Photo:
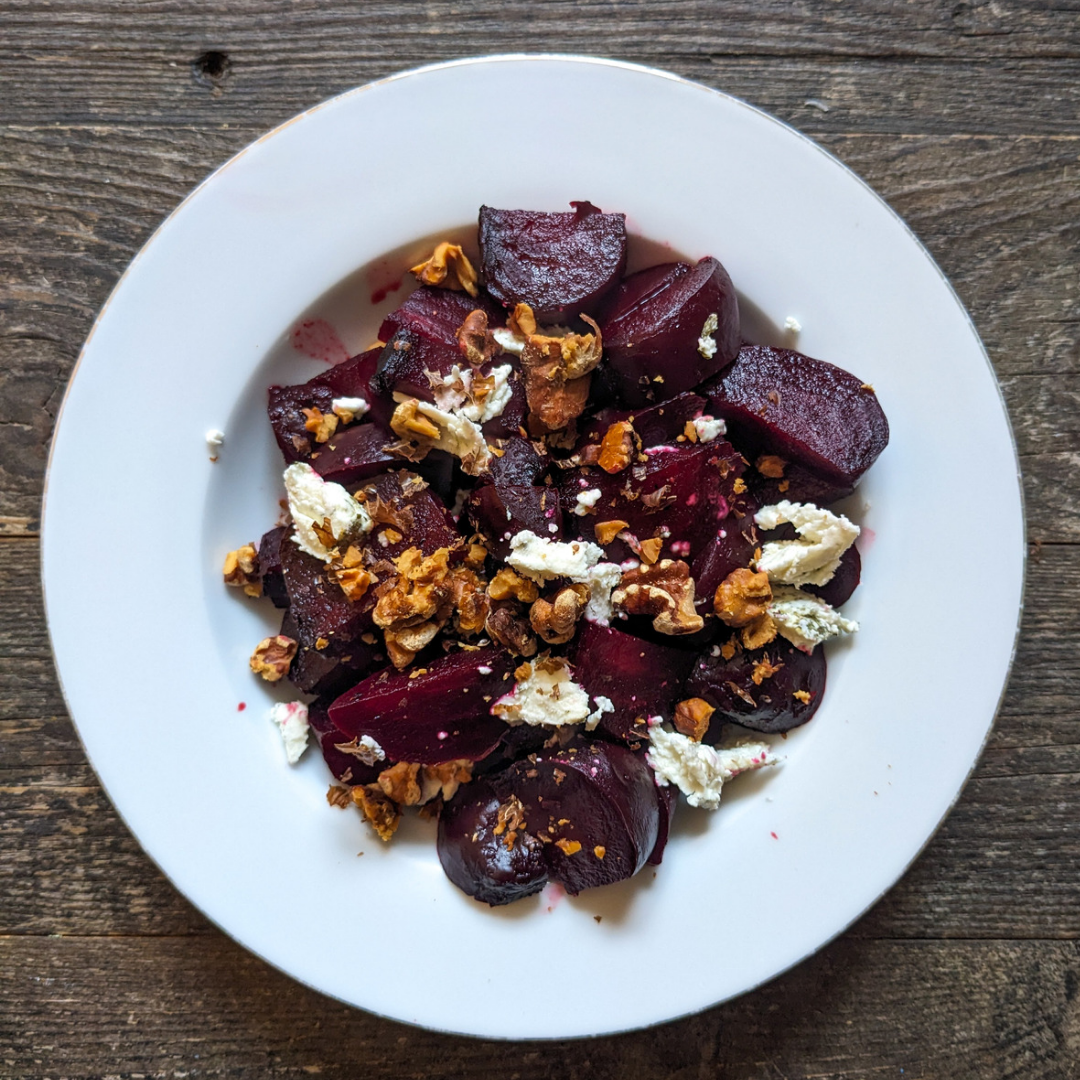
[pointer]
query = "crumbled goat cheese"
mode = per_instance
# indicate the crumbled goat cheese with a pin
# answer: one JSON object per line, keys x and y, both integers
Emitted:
{"x": 349, "y": 408}
{"x": 458, "y": 435}
{"x": 314, "y": 500}
{"x": 214, "y": 441}
{"x": 508, "y": 341}
{"x": 548, "y": 697}
{"x": 814, "y": 557}
{"x": 602, "y": 580}
{"x": 806, "y": 620}
{"x": 586, "y": 500}
{"x": 603, "y": 705}
{"x": 706, "y": 344}
{"x": 371, "y": 751}
{"x": 792, "y": 324}
{"x": 698, "y": 770}
{"x": 709, "y": 428}
{"x": 542, "y": 559}
{"x": 453, "y": 393}
{"x": 292, "y": 720}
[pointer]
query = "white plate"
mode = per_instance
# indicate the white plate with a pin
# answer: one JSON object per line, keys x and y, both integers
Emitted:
{"x": 152, "y": 650}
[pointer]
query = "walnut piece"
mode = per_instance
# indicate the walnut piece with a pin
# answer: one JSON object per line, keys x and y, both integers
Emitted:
{"x": 449, "y": 268}
{"x": 400, "y": 784}
{"x": 771, "y": 466}
{"x": 475, "y": 339}
{"x": 665, "y": 591}
{"x": 383, "y": 814}
{"x": 414, "y": 606}
{"x": 471, "y": 604}
{"x": 764, "y": 669}
{"x": 338, "y": 796}
{"x": 241, "y": 570}
{"x": 321, "y": 425}
{"x": 692, "y": 718}
{"x": 759, "y": 633}
{"x": 442, "y": 781}
{"x": 606, "y": 531}
{"x": 742, "y": 597}
{"x": 508, "y": 585}
{"x": 511, "y": 629}
{"x": 555, "y": 620}
{"x": 272, "y": 657}
{"x": 568, "y": 847}
{"x": 617, "y": 447}
{"x": 412, "y": 426}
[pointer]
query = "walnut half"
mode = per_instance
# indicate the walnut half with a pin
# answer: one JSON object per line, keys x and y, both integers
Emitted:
{"x": 272, "y": 657}
{"x": 555, "y": 620}
{"x": 664, "y": 590}
{"x": 742, "y": 600}
{"x": 241, "y": 570}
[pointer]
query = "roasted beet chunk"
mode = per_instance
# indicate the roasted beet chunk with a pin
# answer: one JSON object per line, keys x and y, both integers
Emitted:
{"x": 407, "y": 514}
{"x": 772, "y": 689}
{"x": 595, "y": 807}
{"x": 482, "y": 853}
{"x": 837, "y": 591}
{"x": 500, "y": 511}
{"x": 640, "y": 678}
{"x": 659, "y": 334}
{"x": 346, "y": 766}
{"x": 433, "y": 714}
{"x": 559, "y": 264}
{"x": 273, "y": 582}
{"x": 658, "y": 425}
{"x": 779, "y": 402}
{"x": 438, "y": 313}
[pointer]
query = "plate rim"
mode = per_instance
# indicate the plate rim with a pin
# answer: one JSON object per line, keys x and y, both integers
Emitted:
{"x": 640, "y": 69}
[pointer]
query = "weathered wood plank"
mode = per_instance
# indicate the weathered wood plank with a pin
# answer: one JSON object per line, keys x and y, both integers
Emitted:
{"x": 859, "y": 1010}
{"x": 1003, "y": 864}
{"x": 1000, "y": 214}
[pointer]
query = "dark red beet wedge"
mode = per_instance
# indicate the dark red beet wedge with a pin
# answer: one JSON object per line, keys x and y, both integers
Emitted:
{"x": 418, "y": 517}
{"x": 520, "y": 462}
{"x": 798, "y": 484}
{"x": 732, "y": 548}
{"x": 492, "y": 867}
{"x": 499, "y": 511}
{"x": 668, "y": 799}
{"x": 441, "y": 714}
{"x": 640, "y": 678}
{"x": 658, "y": 425}
{"x": 273, "y": 582}
{"x": 559, "y": 264}
{"x": 438, "y": 313}
{"x": 347, "y": 768}
{"x": 845, "y": 581}
{"x": 777, "y": 401}
{"x": 655, "y": 322}
{"x": 769, "y": 705}
{"x": 350, "y": 378}
{"x": 594, "y": 806}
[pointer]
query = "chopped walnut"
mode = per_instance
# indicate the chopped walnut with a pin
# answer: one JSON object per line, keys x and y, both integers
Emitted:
{"x": 802, "y": 695}
{"x": 739, "y": 487}
{"x": 383, "y": 814}
{"x": 665, "y": 591}
{"x": 471, "y": 604}
{"x": 507, "y": 585}
{"x": 272, "y": 657}
{"x": 354, "y": 581}
{"x": 447, "y": 267}
{"x": 509, "y": 821}
{"x": 404, "y": 644}
{"x": 606, "y": 531}
{"x": 399, "y": 783}
{"x": 742, "y": 597}
{"x": 338, "y": 796}
{"x": 617, "y": 447}
{"x": 555, "y": 620}
{"x": 442, "y": 781}
{"x": 692, "y": 718}
{"x": 241, "y": 570}
{"x": 728, "y": 649}
{"x": 650, "y": 549}
{"x": 690, "y": 431}
{"x": 568, "y": 847}
{"x": 414, "y": 428}
{"x": 369, "y": 753}
{"x": 476, "y": 554}
{"x": 764, "y": 669}
{"x": 414, "y": 606}
{"x": 771, "y": 466}
{"x": 759, "y": 633}
{"x": 599, "y": 851}
{"x": 321, "y": 425}
{"x": 475, "y": 339}
{"x": 511, "y": 629}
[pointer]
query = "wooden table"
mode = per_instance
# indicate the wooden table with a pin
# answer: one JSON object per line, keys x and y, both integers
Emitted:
{"x": 965, "y": 114}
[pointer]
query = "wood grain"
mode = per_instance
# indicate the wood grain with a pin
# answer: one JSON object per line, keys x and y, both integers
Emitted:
{"x": 965, "y": 115}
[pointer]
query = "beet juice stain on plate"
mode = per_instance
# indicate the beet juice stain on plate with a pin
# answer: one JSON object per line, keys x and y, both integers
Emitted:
{"x": 319, "y": 340}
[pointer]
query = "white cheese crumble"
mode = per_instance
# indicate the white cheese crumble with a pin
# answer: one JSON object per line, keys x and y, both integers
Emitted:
{"x": 508, "y": 341}
{"x": 706, "y": 344}
{"x": 806, "y": 620}
{"x": 292, "y": 720}
{"x": 709, "y": 428}
{"x": 603, "y": 705}
{"x": 215, "y": 439}
{"x": 586, "y": 501}
{"x": 698, "y": 770}
{"x": 458, "y": 435}
{"x": 602, "y": 579}
{"x": 548, "y": 697}
{"x": 314, "y": 500}
{"x": 454, "y": 393}
{"x": 542, "y": 559}
{"x": 792, "y": 324}
{"x": 814, "y": 557}
{"x": 347, "y": 409}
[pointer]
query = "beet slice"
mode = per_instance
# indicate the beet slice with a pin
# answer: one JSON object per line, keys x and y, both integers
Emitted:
{"x": 668, "y": 797}
{"x": 441, "y": 714}
{"x": 595, "y": 807}
{"x": 658, "y": 425}
{"x": 798, "y": 484}
{"x": 561, "y": 265}
{"x": 640, "y": 678}
{"x": 480, "y": 862}
{"x": 273, "y": 582}
{"x": 438, "y": 313}
{"x": 418, "y": 517}
{"x": 347, "y": 768}
{"x": 731, "y": 548}
{"x": 520, "y": 462}
{"x": 770, "y": 706}
{"x": 777, "y": 401}
{"x": 285, "y": 405}
{"x": 654, "y": 324}
{"x": 837, "y": 591}
{"x": 500, "y": 511}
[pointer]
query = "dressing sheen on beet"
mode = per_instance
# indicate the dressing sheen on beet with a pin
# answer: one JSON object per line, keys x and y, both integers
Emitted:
{"x": 528, "y": 637}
